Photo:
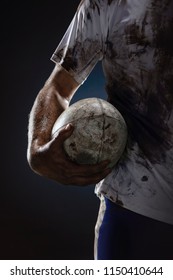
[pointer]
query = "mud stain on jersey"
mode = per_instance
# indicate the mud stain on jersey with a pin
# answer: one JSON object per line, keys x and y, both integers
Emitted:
{"x": 146, "y": 109}
{"x": 110, "y": 2}
{"x": 148, "y": 129}
{"x": 135, "y": 34}
{"x": 80, "y": 55}
{"x": 94, "y": 5}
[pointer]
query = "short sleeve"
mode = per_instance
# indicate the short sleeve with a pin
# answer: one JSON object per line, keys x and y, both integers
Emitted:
{"x": 82, "y": 45}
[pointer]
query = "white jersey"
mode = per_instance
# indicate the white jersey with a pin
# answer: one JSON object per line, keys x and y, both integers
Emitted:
{"x": 133, "y": 39}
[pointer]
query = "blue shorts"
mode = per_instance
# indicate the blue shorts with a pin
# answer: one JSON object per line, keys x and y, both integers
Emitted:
{"x": 123, "y": 234}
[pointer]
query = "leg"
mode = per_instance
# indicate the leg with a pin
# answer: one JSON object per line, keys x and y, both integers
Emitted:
{"x": 111, "y": 237}
{"x": 123, "y": 234}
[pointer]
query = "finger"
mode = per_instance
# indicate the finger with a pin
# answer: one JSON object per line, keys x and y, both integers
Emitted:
{"x": 64, "y": 131}
{"x": 62, "y": 134}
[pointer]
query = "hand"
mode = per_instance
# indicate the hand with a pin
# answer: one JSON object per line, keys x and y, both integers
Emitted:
{"x": 53, "y": 163}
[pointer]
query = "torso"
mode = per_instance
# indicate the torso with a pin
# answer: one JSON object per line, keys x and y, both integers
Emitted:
{"x": 138, "y": 66}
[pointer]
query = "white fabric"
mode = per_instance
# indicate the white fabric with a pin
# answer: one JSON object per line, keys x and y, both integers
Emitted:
{"x": 133, "y": 40}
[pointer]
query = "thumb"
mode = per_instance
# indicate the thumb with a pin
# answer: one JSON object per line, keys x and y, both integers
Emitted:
{"x": 65, "y": 132}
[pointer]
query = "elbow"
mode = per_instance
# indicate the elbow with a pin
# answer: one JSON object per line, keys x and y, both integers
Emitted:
{"x": 33, "y": 161}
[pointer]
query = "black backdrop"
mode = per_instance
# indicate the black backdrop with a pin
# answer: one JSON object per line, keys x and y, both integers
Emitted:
{"x": 39, "y": 219}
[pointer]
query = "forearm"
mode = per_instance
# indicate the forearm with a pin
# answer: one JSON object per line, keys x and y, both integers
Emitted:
{"x": 51, "y": 101}
{"x": 43, "y": 114}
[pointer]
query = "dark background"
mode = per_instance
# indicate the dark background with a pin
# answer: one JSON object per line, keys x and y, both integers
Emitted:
{"x": 38, "y": 218}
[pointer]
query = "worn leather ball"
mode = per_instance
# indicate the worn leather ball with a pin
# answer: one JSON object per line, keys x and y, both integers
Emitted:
{"x": 100, "y": 131}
